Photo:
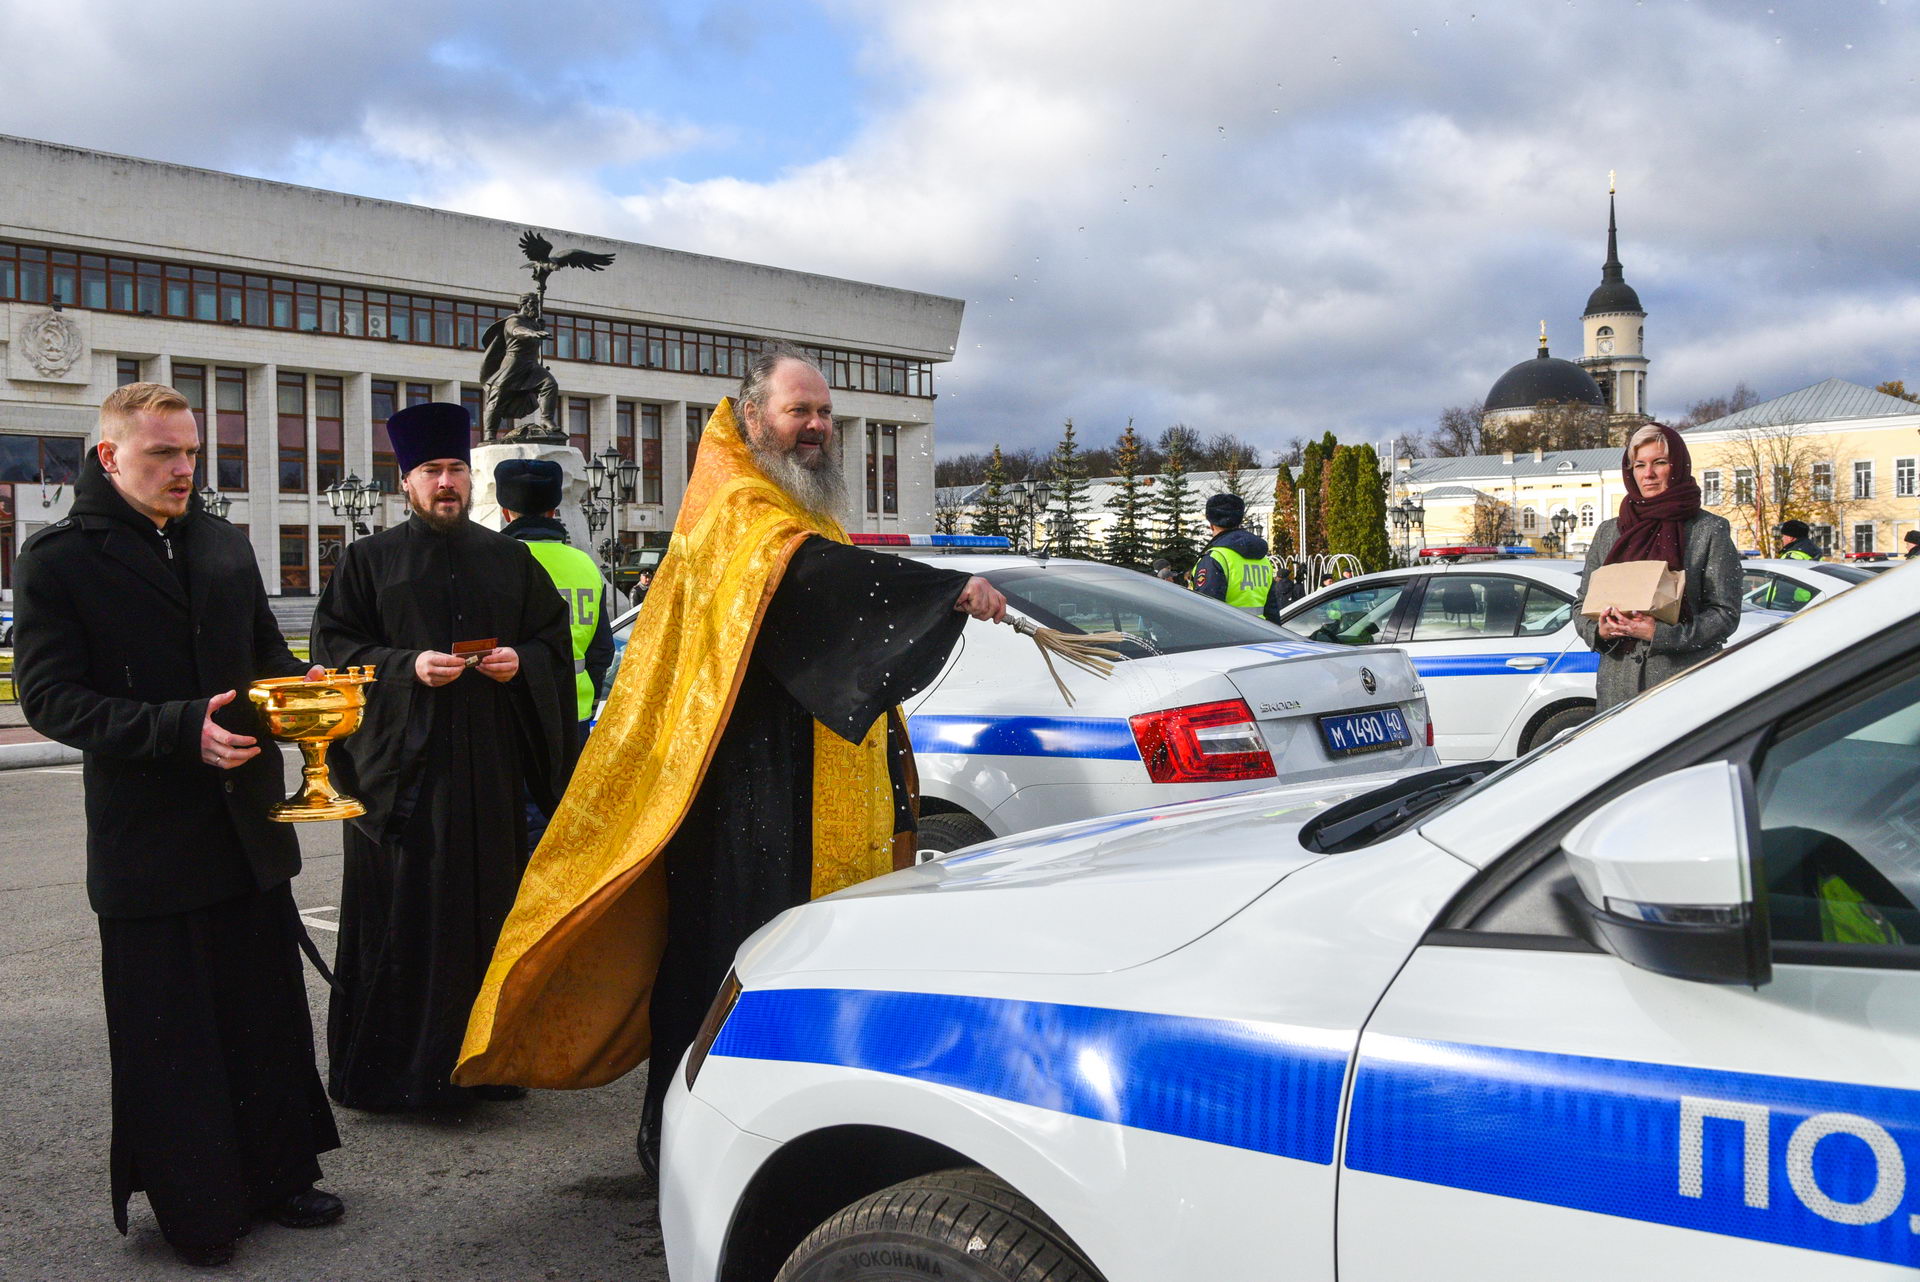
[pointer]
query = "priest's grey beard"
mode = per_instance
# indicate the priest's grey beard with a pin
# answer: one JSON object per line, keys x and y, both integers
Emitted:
{"x": 821, "y": 489}
{"x": 436, "y": 522}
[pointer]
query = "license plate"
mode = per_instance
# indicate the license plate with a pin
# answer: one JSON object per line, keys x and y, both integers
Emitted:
{"x": 1349, "y": 733}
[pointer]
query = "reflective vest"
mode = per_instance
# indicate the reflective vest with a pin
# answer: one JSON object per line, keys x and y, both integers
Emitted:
{"x": 1248, "y": 581}
{"x": 1798, "y": 552}
{"x": 578, "y": 580}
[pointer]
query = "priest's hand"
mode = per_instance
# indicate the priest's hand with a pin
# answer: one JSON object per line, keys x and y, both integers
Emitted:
{"x": 316, "y": 673}
{"x": 982, "y": 600}
{"x": 502, "y": 663}
{"x": 433, "y": 668}
{"x": 220, "y": 748}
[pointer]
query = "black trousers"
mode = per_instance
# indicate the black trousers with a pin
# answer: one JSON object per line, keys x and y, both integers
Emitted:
{"x": 218, "y": 1111}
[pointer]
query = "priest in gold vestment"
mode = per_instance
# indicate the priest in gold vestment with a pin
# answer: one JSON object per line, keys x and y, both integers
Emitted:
{"x": 750, "y": 757}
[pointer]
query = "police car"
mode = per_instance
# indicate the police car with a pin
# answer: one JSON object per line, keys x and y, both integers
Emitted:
{"x": 1493, "y": 641}
{"x": 1208, "y": 700}
{"x": 1643, "y": 1003}
{"x": 1786, "y": 585}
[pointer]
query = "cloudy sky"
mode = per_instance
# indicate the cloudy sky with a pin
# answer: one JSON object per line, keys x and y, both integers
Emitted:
{"x": 1266, "y": 216}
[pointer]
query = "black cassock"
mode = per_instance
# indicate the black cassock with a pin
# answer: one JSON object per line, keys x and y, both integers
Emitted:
{"x": 432, "y": 868}
{"x": 848, "y": 635}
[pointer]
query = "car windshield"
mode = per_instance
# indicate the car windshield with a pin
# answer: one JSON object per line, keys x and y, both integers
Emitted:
{"x": 1846, "y": 573}
{"x": 1159, "y": 617}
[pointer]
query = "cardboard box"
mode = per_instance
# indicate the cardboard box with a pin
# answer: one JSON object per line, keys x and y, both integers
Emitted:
{"x": 1643, "y": 587}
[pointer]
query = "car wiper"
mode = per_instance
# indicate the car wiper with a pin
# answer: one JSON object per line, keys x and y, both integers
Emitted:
{"x": 1365, "y": 819}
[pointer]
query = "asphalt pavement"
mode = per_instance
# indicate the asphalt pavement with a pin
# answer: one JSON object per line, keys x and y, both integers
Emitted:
{"x": 546, "y": 1187}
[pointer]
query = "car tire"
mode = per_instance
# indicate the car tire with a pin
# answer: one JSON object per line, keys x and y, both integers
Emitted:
{"x": 1565, "y": 719}
{"x": 966, "y": 1224}
{"x": 947, "y": 832}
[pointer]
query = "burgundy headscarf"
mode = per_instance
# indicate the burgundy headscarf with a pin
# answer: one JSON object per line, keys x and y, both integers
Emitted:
{"x": 1655, "y": 529}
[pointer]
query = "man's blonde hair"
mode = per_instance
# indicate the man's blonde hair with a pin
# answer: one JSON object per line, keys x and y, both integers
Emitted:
{"x": 119, "y": 411}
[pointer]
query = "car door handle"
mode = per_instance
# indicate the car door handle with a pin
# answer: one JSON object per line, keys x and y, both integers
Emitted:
{"x": 1526, "y": 662}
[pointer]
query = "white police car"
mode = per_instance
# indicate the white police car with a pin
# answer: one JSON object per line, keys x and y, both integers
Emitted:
{"x": 1643, "y": 1003}
{"x": 1209, "y": 700}
{"x": 1493, "y": 641}
{"x": 1786, "y": 585}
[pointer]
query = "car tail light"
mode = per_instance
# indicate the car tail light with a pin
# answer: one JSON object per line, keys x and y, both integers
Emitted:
{"x": 1429, "y": 732}
{"x": 1202, "y": 743}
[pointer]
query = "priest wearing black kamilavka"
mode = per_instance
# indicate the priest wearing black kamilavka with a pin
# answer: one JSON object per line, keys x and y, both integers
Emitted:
{"x": 142, "y": 622}
{"x": 472, "y": 709}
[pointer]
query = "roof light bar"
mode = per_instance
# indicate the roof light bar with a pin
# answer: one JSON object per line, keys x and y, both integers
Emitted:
{"x": 983, "y": 542}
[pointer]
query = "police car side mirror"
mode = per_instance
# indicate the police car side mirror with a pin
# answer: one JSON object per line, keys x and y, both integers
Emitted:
{"x": 1670, "y": 876}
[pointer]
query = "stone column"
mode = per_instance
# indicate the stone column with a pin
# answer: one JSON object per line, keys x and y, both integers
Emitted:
{"x": 853, "y": 466}
{"x": 263, "y": 466}
{"x": 673, "y": 454}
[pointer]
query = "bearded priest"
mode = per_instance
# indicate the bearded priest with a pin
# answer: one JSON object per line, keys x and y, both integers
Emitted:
{"x": 474, "y": 696}
{"x": 750, "y": 757}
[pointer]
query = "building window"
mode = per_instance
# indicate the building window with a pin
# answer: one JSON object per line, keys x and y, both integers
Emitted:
{"x": 333, "y": 541}
{"x": 1903, "y": 478}
{"x": 580, "y": 425}
{"x": 230, "y": 420}
{"x": 1863, "y": 537}
{"x": 329, "y": 431}
{"x": 1782, "y": 484}
{"x": 1605, "y": 331}
{"x": 126, "y": 370}
{"x": 191, "y": 382}
{"x": 1586, "y": 516}
{"x": 873, "y": 467}
{"x": 1823, "y": 537}
{"x": 386, "y": 400}
{"x": 36, "y": 274}
{"x": 623, "y": 430}
{"x": 696, "y": 423}
{"x": 650, "y": 482}
{"x": 889, "y": 469}
{"x": 1823, "y": 482}
{"x": 419, "y": 394}
{"x": 1863, "y": 479}
{"x": 292, "y": 411}
{"x": 293, "y": 560}
{"x": 1710, "y": 487}
{"x": 473, "y": 401}
{"x": 1743, "y": 485}
{"x": 30, "y": 460}
{"x": 1529, "y": 519}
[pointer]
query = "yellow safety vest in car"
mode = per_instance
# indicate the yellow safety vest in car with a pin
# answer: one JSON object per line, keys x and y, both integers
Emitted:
{"x": 1248, "y": 581}
{"x": 578, "y": 580}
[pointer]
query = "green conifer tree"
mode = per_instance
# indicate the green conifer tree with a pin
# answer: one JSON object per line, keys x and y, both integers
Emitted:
{"x": 1313, "y": 462}
{"x": 1067, "y": 505}
{"x": 1128, "y": 541}
{"x": 1337, "y": 500}
{"x": 992, "y": 516}
{"x": 1173, "y": 509}
{"x": 1375, "y": 548}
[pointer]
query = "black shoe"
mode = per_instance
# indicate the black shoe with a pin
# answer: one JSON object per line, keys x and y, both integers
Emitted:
{"x": 499, "y": 1094}
{"x": 204, "y": 1257}
{"x": 647, "y": 1143}
{"x": 310, "y": 1208}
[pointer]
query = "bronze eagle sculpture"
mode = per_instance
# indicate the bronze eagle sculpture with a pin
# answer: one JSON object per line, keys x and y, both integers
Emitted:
{"x": 543, "y": 262}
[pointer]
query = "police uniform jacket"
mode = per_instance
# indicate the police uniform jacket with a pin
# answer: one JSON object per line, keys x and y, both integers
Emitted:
{"x": 116, "y": 654}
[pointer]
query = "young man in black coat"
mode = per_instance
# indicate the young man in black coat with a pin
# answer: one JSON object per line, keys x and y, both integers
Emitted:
{"x": 142, "y": 620}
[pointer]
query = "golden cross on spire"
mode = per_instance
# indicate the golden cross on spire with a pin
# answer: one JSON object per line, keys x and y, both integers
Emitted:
{"x": 1609, "y": 182}
{"x": 1543, "y": 333}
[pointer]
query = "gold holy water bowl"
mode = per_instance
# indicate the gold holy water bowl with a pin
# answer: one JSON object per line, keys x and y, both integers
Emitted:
{"x": 314, "y": 714}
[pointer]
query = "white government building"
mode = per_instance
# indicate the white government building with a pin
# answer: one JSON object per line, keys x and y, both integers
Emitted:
{"x": 297, "y": 320}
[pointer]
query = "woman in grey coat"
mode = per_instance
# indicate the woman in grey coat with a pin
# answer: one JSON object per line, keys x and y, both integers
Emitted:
{"x": 1660, "y": 520}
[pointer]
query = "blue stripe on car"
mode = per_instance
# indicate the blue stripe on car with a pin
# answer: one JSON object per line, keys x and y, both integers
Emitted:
{"x": 1265, "y": 1087}
{"x": 1100, "y": 738}
{"x": 1495, "y": 665}
{"x": 1806, "y": 1163}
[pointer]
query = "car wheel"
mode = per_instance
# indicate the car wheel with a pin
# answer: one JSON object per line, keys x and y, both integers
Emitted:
{"x": 1565, "y": 719}
{"x": 945, "y": 833}
{"x": 965, "y": 1224}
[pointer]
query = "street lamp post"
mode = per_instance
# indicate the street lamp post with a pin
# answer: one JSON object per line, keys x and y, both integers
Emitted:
{"x": 352, "y": 499}
{"x": 610, "y": 481}
{"x": 1033, "y": 505}
{"x": 1563, "y": 522}
{"x": 214, "y": 501}
{"x": 1406, "y": 514}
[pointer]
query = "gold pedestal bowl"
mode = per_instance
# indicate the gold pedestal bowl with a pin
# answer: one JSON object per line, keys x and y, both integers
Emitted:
{"x": 314, "y": 714}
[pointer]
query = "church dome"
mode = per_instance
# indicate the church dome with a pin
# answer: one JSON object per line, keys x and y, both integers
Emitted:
{"x": 1544, "y": 378}
{"x": 1613, "y": 296}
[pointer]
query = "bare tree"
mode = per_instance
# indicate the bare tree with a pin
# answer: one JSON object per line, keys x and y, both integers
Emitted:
{"x": 1456, "y": 434}
{"x": 1492, "y": 521}
{"x": 1552, "y": 425}
{"x": 1897, "y": 387}
{"x": 947, "y": 511}
{"x": 1762, "y": 476}
{"x": 1720, "y": 406}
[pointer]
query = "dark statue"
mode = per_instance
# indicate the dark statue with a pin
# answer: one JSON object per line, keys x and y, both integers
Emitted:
{"x": 516, "y": 382}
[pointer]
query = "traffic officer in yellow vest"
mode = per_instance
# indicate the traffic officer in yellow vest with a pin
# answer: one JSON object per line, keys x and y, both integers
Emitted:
{"x": 528, "y": 491}
{"x": 1233, "y": 567}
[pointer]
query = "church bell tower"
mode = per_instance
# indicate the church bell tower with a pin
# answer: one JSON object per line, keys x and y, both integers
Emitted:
{"x": 1615, "y": 327}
